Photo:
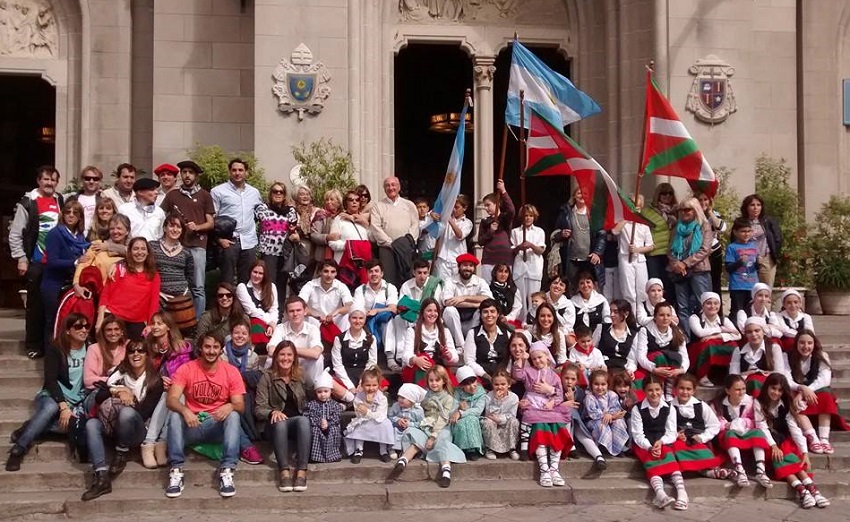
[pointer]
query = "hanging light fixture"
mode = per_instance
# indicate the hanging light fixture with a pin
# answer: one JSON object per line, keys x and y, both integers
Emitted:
{"x": 448, "y": 122}
{"x": 47, "y": 135}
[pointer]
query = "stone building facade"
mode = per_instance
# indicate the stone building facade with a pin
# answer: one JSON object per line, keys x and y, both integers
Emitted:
{"x": 145, "y": 80}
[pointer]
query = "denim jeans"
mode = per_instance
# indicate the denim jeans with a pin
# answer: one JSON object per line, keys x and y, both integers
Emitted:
{"x": 128, "y": 432}
{"x": 199, "y": 295}
{"x": 45, "y": 417}
{"x": 227, "y": 433}
{"x": 688, "y": 291}
{"x": 280, "y": 433}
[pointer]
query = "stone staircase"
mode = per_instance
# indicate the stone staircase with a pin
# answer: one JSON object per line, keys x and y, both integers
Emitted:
{"x": 50, "y": 483}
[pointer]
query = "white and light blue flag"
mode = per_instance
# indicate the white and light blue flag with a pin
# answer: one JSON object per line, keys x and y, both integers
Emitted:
{"x": 451, "y": 185}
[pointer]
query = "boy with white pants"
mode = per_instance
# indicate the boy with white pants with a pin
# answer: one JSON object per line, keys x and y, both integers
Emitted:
{"x": 633, "y": 273}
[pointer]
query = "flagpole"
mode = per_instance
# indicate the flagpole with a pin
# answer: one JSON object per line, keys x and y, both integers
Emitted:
{"x": 649, "y": 68}
{"x": 467, "y": 102}
{"x": 522, "y": 146}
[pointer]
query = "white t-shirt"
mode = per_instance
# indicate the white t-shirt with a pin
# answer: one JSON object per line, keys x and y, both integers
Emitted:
{"x": 529, "y": 265}
{"x": 89, "y": 203}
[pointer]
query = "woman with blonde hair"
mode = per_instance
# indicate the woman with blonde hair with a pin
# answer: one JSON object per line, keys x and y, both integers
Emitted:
{"x": 689, "y": 266}
{"x": 278, "y": 224}
{"x": 320, "y": 229}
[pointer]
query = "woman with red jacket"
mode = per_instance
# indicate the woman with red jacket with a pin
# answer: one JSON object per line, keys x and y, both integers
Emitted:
{"x": 132, "y": 290}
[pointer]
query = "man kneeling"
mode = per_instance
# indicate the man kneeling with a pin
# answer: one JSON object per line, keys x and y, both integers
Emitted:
{"x": 214, "y": 393}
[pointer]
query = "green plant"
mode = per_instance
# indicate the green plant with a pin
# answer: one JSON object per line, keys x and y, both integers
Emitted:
{"x": 325, "y": 166}
{"x": 783, "y": 204}
{"x": 830, "y": 245}
{"x": 213, "y": 159}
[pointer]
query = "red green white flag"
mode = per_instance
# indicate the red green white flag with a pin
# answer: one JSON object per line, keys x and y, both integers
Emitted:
{"x": 669, "y": 149}
{"x": 550, "y": 152}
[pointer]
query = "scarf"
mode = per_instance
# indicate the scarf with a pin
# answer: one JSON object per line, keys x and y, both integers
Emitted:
{"x": 238, "y": 356}
{"x": 504, "y": 295}
{"x": 305, "y": 216}
{"x": 688, "y": 236}
{"x": 147, "y": 209}
{"x": 583, "y": 351}
{"x": 191, "y": 191}
{"x": 77, "y": 243}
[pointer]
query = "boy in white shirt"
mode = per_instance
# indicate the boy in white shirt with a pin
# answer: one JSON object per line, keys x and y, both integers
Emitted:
{"x": 528, "y": 243}
{"x": 454, "y": 239}
{"x": 327, "y": 298}
{"x": 633, "y": 273}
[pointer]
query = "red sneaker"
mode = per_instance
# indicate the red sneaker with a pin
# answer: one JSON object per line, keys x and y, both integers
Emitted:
{"x": 251, "y": 455}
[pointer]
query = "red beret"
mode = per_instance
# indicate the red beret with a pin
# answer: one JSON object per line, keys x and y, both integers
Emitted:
{"x": 166, "y": 167}
{"x": 467, "y": 258}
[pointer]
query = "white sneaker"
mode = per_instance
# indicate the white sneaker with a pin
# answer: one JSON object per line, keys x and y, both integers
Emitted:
{"x": 705, "y": 381}
{"x": 489, "y": 455}
{"x": 514, "y": 455}
{"x": 806, "y": 499}
{"x": 820, "y": 500}
{"x": 764, "y": 481}
{"x": 545, "y": 479}
{"x": 226, "y": 487}
{"x": 393, "y": 455}
{"x": 557, "y": 479}
{"x": 175, "y": 483}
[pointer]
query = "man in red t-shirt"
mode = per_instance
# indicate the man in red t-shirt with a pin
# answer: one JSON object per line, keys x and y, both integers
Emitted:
{"x": 214, "y": 392}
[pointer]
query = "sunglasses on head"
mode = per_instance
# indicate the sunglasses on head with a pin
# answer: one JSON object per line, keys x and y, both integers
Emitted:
{"x": 80, "y": 326}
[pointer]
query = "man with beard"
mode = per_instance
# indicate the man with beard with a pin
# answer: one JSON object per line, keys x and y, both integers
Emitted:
{"x": 461, "y": 296}
{"x": 122, "y": 191}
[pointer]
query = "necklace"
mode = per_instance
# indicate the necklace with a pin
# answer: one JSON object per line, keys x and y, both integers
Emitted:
{"x": 170, "y": 251}
{"x": 582, "y": 216}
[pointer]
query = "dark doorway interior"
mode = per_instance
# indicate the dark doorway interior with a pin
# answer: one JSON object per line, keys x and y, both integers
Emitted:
{"x": 429, "y": 79}
{"x": 27, "y": 134}
{"x": 547, "y": 193}
{"x": 27, "y": 140}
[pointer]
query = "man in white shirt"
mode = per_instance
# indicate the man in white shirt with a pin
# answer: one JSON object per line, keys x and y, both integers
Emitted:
{"x": 89, "y": 193}
{"x": 421, "y": 286}
{"x": 146, "y": 219}
{"x": 393, "y": 218}
{"x": 122, "y": 191}
{"x": 461, "y": 296}
{"x": 237, "y": 199}
{"x": 327, "y": 298}
{"x": 303, "y": 335}
{"x": 454, "y": 239}
{"x": 376, "y": 297}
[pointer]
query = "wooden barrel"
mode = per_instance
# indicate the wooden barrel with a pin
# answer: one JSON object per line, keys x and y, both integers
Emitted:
{"x": 182, "y": 309}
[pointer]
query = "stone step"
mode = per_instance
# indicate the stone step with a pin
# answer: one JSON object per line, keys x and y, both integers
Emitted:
{"x": 21, "y": 378}
{"x": 20, "y": 362}
{"x": 11, "y": 344}
{"x": 202, "y": 498}
{"x": 838, "y": 352}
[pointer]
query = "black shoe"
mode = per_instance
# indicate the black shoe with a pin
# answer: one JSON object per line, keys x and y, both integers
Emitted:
{"x": 398, "y": 469}
{"x": 355, "y": 459}
{"x": 573, "y": 454}
{"x": 16, "y": 456}
{"x": 600, "y": 464}
{"x": 18, "y": 432}
{"x": 35, "y": 354}
{"x": 101, "y": 486}
{"x": 119, "y": 462}
{"x": 384, "y": 457}
{"x": 445, "y": 479}
{"x": 523, "y": 456}
{"x": 472, "y": 456}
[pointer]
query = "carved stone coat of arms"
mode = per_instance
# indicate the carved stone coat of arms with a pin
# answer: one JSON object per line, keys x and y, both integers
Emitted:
{"x": 711, "y": 98}
{"x": 301, "y": 85}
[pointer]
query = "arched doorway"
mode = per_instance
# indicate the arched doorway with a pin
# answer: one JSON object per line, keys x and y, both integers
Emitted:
{"x": 430, "y": 79}
{"x": 27, "y": 134}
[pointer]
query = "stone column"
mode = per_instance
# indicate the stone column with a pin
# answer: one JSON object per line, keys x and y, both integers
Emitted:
{"x": 483, "y": 71}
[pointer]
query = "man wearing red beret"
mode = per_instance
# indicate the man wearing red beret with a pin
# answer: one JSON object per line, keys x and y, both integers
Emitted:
{"x": 461, "y": 296}
{"x": 167, "y": 174}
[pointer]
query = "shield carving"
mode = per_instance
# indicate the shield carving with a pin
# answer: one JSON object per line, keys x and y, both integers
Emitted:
{"x": 712, "y": 93}
{"x": 301, "y": 86}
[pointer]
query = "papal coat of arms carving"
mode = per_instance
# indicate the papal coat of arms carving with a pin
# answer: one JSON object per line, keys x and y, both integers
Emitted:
{"x": 711, "y": 98}
{"x": 301, "y": 85}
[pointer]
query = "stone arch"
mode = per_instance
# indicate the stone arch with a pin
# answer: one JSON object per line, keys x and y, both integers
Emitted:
{"x": 63, "y": 69}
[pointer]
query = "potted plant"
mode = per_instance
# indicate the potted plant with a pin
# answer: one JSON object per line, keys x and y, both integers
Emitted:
{"x": 830, "y": 254}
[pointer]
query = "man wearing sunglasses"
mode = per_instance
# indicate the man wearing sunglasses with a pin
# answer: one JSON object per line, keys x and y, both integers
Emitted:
{"x": 89, "y": 193}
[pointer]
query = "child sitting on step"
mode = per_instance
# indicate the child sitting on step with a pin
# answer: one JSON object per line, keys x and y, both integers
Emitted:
{"x": 370, "y": 422}
{"x": 470, "y": 399}
{"x": 603, "y": 415}
{"x": 405, "y": 413}
{"x": 499, "y": 424}
{"x": 573, "y": 398}
{"x": 323, "y": 413}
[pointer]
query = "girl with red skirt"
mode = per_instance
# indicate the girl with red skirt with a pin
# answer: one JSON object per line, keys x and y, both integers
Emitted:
{"x": 758, "y": 358}
{"x": 660, "y": 350}
{"x": 809, "y": 376}
{"x": 713, "y": 339}
{"x": 653, "y": 428}
{"x": 792, "y": 319}
{"x": 775, "y": 415}
{"x": 738, "y": 432}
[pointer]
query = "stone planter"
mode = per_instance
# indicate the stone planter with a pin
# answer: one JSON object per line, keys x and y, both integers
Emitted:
{"x": 813, "y": 303}
{"x": 834, "y": 303}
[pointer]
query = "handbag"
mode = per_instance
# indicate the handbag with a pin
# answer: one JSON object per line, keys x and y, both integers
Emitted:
{"x": 108, "y": 412}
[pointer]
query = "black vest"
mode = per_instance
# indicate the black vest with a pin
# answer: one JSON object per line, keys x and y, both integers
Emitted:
{"x": 814, "y": 368}
{"x": 615, "y": 351}
{"x": 779, "y": 430}
{"x": 482, "y": 350}
{"x": 725, "y": 411}
{"x": 654, "y": 429}
{"x": 594, "y": 316}
{"x": 693, "y": 426}
{"x": 673, "y": 356}
{"x": 353, "y": 359}
{"x": 761, "y": 364}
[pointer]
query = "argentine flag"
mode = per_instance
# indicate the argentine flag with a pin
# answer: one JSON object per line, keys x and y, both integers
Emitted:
{"x": 547, "y": 92}
{"x": 451, "y": 186}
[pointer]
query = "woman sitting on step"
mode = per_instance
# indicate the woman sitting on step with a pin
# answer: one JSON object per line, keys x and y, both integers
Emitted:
{"x": 59, "y": 403}
{"x": 128, "y": 400}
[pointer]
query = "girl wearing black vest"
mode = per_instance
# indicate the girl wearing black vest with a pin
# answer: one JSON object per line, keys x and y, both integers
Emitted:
{"x": 758, "y": 358}
{"x": 713, "y": 339}
{"x": 591, "y": 307}
{"x": 556, "y": 296}
{"x": 660, "y": 350}
{"x": 775, "y": 414}
{"x": 697, "y": 426}
{"x": 353, "y": 351}
{"x": 505, "y": 293}
{"x": 486, "y": 346}
{"x": 738, "y": 432}
{"x": 615, "y": 339}
{"x": 809, "y": 374}
{"x": 428, "y": 343}
{"x": 652, "y": 425}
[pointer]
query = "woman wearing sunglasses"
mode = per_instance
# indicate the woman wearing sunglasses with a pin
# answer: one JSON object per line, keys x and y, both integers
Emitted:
{"x": 129, "y": 398}
{"x": 59, "y": 401}
{"x": 225, "y": 313}
{"x": 278, "y": 224}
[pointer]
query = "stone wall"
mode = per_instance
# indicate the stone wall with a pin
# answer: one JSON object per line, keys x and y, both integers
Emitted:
{"x": 203, "y": 81}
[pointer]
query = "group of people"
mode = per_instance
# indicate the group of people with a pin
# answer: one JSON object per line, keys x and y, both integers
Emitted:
{"x": 359, "y": 306}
